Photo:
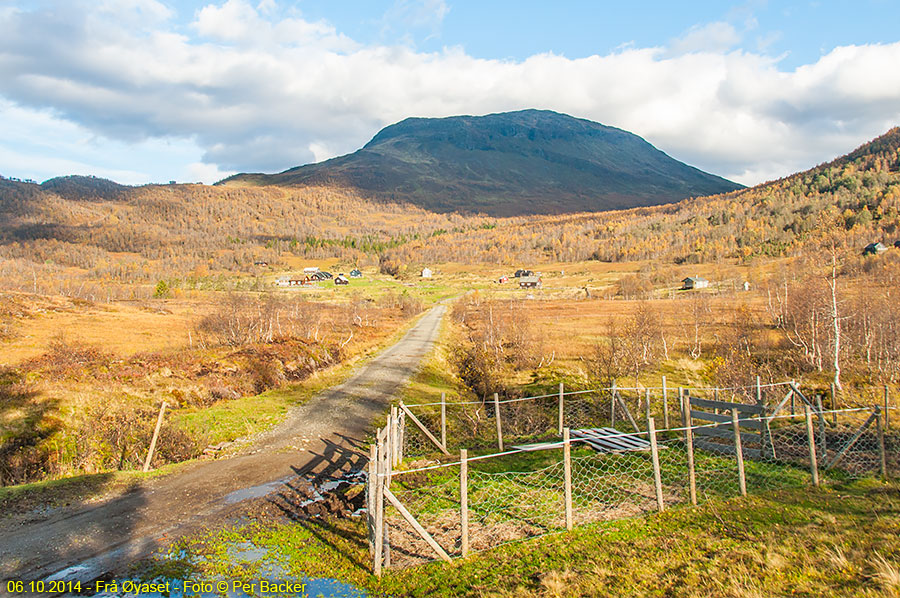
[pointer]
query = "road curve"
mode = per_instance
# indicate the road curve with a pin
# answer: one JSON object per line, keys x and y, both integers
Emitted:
{"x": 323, "y": 435}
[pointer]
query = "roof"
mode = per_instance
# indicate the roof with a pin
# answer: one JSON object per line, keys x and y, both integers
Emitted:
{"x": 694, "y": 279}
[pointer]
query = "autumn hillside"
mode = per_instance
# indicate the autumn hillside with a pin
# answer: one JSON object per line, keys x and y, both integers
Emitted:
{"x": 856, "y": 196}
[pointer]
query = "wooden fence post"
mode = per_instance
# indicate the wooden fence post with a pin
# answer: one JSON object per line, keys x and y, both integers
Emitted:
{"x": 665, "y": 393}
{"x": 823, "y": 437}
{"x": 561, "y": 395}
{"x": 685, "y": 406}
{"x": 811, "y": 443}
{"x": 371, "y": 493}
{"x": 394, "y": 438}
{"x": 793, "y": 394}
{"x": 379, "y": 508}
{"x": 612, "y": 405}
{"x": 739, "y": 451}
{"x": 464, "y": 501}
{"x": 499, "y": 424}
{"x": 882, "y": 457}
{"x": 567, "y": 474}
{"x": 654, "y": 454}
{"x": 159, "y": 421}
{"x": 834, "y": 405}
{"x": 444, "y": 419}
{"x": 887, "y": 411}
{"x": 647, "y": 399}
{"x": 689, "y": 441}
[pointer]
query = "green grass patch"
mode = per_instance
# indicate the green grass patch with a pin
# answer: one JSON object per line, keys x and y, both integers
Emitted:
{"x": 833, "y": 541}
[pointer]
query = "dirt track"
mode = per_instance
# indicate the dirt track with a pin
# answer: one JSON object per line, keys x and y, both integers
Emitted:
{"x": 321, "y": 437}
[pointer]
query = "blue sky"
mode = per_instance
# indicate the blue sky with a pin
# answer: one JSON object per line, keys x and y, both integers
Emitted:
{"x": 152, "y": 90}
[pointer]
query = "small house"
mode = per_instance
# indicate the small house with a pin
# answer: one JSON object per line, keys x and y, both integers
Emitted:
{"x": 520, "y": 273}
{"x": 426, "y": 273}
{"x": 355, "y": 274}
{"x": 897, "y": 244}
{"x": 311, "y": 270}
{"x": 261, "y": 264}
{"x": 529, "y": 282}
{"x": 694, "y": 282}
{"x": 503, "y": 279}
{"x": 341, "y": 279}
{"x": 874, "y": 249}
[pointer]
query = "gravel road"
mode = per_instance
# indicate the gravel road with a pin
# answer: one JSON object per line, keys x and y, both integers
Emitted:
{"x": 322, "y": 437}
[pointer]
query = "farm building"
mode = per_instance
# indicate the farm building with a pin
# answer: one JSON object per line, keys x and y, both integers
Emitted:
{"x": 341, "y": 279}
{"x": 520, "y": 273}
{"x": 874, "y": 249}
{"x": 261, "y": 264}
{"x": 694, "y": 282}
{"x": 897, "y": 244}
{"x": 529, "y": 282}
{"x": 355, "y": 274}
{"x": 503, "y": 279}
{"x": 311, "y": 270}
{"x": 426, "y": 273}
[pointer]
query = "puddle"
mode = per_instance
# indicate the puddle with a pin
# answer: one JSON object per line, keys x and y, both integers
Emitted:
{"x": 253, "y": 492}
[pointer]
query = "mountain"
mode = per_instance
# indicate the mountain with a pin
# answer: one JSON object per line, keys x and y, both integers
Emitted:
{"x": 526, "y": 162}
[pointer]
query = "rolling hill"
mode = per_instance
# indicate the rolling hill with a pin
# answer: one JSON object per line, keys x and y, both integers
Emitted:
{"x": 514, "y": 163}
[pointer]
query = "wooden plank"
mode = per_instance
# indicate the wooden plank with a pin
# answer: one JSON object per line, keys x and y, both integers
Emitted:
{"x": 159, "y": 421}
{"x": 711, "y": 404}
{"x": 754, "y": 424}
{"x": 781, "y": 404}
{"x": 853, "y": 441}
{"x": 725, "y": 449}
{"x": 635, "y": 441}
{"x": 416, "y": 526}
{"x": 654, "y": 456}
{"x": 379, "y": 507}
{"x": 371, "y": 493}
{"x": 618, "y": 398}
{"x": 444, "y": 419}
{"x": 726, "y": 432}
{"x": 567, "y": 475}
{"x": 665, "y": 393}
{"x": 422, "y": 427}
{"x": 882, "y": 457}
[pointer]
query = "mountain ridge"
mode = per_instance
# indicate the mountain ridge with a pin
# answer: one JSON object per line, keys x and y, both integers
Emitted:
{"x": 511, "y": 163}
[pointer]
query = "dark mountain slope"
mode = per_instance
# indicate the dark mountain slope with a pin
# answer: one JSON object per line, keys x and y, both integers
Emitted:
{"x": 528, "y": 162}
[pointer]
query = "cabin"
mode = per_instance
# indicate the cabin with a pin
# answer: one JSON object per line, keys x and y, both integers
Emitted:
{"x": 503, "y": 279}
{"x": 520, "y": 273}
{"x": 874, "y": 249}
{"x": 355, "y": 274}
{"x": 426, "y": 273}
{"x": 341, "y": 279}
{"x": 897, "y": 244}
{"x": 694, "y": 282}
{"x": 261, "y": 264}
{"x": 529, "y": 282}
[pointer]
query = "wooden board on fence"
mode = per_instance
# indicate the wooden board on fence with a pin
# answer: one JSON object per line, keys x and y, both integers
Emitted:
{"x": 726, "y": 432}
{"x": 725, "y": 449}
{"x": 610, "y": 440}
{"x": 741, "y": 407}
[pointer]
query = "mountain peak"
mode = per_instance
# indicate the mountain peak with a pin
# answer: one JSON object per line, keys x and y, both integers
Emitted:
{"x": 510, "y": 163}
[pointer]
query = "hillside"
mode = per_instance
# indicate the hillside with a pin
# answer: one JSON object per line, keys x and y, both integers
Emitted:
{"x": 856, "y": 196}
{"x": 514, "y": 163}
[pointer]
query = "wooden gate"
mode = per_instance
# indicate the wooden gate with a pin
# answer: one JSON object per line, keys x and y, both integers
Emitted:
{"x": 756, "y": 439}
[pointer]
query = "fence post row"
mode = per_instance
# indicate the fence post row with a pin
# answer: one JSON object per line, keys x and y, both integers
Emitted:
{"x": 567, "y": 477}
{"x": 811, "y": 443}
{"x": 739, "y": 451}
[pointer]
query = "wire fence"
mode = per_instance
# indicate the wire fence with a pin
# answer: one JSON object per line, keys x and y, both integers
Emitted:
{"x": 539, "y": 484}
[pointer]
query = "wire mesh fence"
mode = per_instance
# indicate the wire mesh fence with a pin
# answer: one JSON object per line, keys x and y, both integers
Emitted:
{"x": 531, "y": 488}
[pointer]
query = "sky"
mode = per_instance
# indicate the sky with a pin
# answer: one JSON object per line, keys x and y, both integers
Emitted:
{"x": 155, "y": 90}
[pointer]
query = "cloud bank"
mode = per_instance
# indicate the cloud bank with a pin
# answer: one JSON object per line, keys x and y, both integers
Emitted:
{"x": 259, "y": 91}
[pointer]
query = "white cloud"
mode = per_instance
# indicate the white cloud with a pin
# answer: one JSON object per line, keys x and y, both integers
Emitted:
{"x": 712, "y": 37}
{"x": 261, "y": 93}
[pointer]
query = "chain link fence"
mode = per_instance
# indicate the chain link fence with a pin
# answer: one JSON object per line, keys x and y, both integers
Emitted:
{"x": 531, "y": 489}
